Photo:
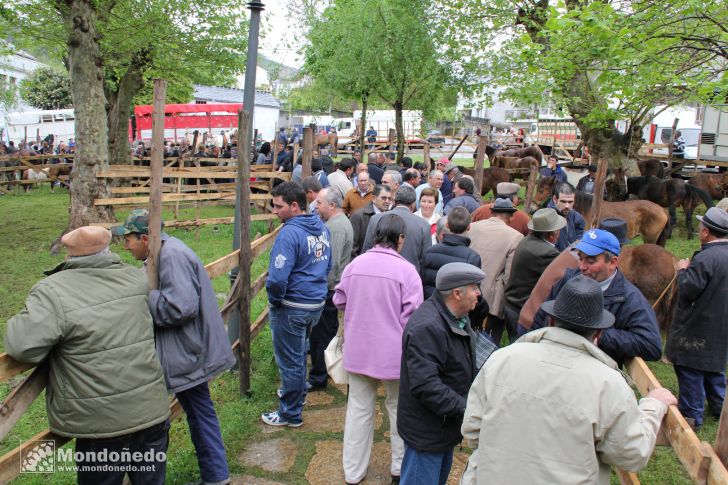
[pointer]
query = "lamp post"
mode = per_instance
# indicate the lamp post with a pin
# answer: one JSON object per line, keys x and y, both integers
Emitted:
{"x": 244, "y": 143}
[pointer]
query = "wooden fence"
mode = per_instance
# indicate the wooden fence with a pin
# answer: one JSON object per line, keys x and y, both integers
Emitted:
{"x": 22, "y": 395}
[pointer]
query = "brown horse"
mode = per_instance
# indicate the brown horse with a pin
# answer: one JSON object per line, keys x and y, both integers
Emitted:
{"x": 530, "y": 151}
{"x": 651, "y": 268}
{"x": 713, "y": 183}
{"x": 643, "y": 217}
{"x": 492, "y": 176}
{"x": 651, "y": 166}
{"x": 670, "y": 193}
{"x": 521, "y": 166}
{"x": 328, "y": 139}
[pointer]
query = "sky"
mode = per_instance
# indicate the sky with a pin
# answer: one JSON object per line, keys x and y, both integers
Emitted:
{"x": 280, "y": 35}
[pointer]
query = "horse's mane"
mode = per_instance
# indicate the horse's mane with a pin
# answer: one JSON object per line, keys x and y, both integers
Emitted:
{"x": 582, "y": 202}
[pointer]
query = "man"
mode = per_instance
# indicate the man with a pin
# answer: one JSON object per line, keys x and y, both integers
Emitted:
{"x": 533, "y": 255}
{"x": 553, "y": 169}
{"x": 360, "y": 167}
{"x": 375, "y": 171}
{"x": 192, "y": 343}
{"x": 453, "y": 248}
{"x": 300, "y": 261}
{"x": 438, "y": 366}
{"x": 496, "y": 244}
{"x": 381, "y": 202}
{"x": 635, "y": 332}
{"x": 312, "y": 187}
{"x": 586, "y": 183}
{"x": 443, "y": 164}
{"x": 412, "y": 177}
{"x": 464, "y": 191}
{"x": 435, "y": 181}
{"x": 392, "y": 179}
{"x": 697, "y": 343}
{"x": 563, "y": 202}
{"x": 371, "y": 135}
{"x": 572, "y": 415}
{"x": 452, "y": 173}
{"x": 340, "y": 179}
{"x": 90, "y": 320}
{"x": 418, "y": 230}
{"x": 341, "y": 240}
{"x": 327, "y": 163}
{"x": 319, "y": 173}
{"x": 359, "y": 196}
{"x": 506, "y": 190}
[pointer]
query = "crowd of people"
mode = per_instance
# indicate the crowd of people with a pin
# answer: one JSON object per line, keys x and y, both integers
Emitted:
{"x": 428, "y": 279}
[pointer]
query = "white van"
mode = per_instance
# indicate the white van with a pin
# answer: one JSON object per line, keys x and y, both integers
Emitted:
{"x": 663, "y": 135}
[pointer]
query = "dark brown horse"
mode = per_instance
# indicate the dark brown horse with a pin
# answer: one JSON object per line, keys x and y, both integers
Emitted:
{"x": 670, "y": 193}
{"x": 492, "y": 176}
{"x": 651, "y": 167}
{"x": 713, "y": 183}
{"x": 652, "y": 268}
{"x": 521, "y": 166}
{"x": 642, "y": 216}
{"x": 530, "y": 151}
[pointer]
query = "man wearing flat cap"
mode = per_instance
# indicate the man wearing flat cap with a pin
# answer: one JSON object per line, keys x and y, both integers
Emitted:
{"x": 506, "y": 190}
{"x": 192, "y": 343}
{"x": 572, "y": 415}
{"x": 90, "y": 321}
{"x": 697, "y": 343}
{"x": 635, "y": 332}
{"x": 438, "y": 366}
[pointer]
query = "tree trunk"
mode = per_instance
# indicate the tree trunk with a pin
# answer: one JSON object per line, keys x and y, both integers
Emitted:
{"x": 121, "y": 103}
{"x": 399, "y": 126}
{"x": 87, "y": 80}
{"x": 363, "y": 127}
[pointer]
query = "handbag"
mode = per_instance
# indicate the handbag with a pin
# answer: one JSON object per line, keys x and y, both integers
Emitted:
{"x": 334, "y": 358}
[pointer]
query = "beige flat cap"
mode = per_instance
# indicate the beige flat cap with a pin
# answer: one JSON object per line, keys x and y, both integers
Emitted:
{"x": 86, "y": 240}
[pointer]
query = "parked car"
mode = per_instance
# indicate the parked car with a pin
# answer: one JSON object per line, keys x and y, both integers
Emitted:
{"x": 435, "y": 137}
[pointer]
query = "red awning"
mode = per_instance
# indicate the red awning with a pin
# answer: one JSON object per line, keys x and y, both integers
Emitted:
{"x": 146, "y": 110}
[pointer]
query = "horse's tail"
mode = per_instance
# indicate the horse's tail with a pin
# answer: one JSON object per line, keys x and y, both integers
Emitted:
{"x": 694, "y": 192}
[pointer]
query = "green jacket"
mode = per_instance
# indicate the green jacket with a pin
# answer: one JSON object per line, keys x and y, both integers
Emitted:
{"x": 90, "y": 319}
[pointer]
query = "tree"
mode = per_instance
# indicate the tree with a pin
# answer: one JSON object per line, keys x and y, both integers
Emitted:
{"x": 600, "y": 61}
{"x": 47, "y": 88}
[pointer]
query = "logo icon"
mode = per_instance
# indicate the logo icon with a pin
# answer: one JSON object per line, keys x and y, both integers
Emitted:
{"x": 38, "y": 457}
{"x": 280, "y": 261}
{"x": 592, "y": 234}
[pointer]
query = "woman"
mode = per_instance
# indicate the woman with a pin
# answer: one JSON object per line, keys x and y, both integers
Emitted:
{"x": 428, "y": 201}
{"x": 264, "y": 155}
{"x": 378, "y": 292}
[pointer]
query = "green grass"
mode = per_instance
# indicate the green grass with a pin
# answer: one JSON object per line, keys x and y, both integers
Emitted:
{"x": 31, "y": 221}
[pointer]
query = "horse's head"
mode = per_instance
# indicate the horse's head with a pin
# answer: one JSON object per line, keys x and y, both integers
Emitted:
{"x": 544, "y": 190}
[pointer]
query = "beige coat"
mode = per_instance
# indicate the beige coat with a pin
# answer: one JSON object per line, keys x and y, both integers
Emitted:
{"x": 565, "y": 421}
{"x": 496, "y": 243}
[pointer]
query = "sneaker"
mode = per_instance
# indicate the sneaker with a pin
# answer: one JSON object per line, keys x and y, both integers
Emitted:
{"x": 279, "y": 393}
{"x": 274, "y": 419}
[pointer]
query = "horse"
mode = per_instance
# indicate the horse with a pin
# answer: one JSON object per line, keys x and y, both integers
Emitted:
{"x": 492, "y": 176}
{"x": 651, "y": 268}
{"x": 670, "y": 193}
{"x": 521, "y": 166}
{"x": 713, "y": 183}
{"x": 328, "y": 139}
{"x": 651, "y": 166}
{"x": 642, "y": 216}
{"x": 530, "y": 151}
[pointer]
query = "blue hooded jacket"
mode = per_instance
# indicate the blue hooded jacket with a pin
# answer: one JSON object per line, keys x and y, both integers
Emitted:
{"x": 300, "y": 261}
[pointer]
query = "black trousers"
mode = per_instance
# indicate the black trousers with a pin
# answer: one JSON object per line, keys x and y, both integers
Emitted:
{"x": 141, "y": 455}
{"x": 321, "y": 336}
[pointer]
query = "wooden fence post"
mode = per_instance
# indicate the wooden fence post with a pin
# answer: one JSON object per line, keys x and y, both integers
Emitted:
{"x": 245, "y": 258}
{"x": 721, "y": 437}
{"x": 529, "y": 189}
{"x": 479, "y": 166}
{"x": 598, "y": 193}
{"x": 155, "y": 182}
{"x": 426, "y": 155}
{"x": 307, "y": 152}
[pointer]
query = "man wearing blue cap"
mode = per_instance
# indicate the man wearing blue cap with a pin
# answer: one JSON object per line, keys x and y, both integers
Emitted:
{"x": 635, "y": 332}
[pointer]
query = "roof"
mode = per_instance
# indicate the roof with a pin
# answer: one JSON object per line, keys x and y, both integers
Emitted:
{"x": 219, "y": 94}
{"x": 283, "y": 72}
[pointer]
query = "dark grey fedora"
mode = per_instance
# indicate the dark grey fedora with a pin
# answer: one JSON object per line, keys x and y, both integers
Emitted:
{"x": 580, "y": 303}
{"x": 503, "y": 205}
{"x": 716, "y": 219}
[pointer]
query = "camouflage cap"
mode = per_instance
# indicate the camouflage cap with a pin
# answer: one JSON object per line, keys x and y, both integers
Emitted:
{"x": 137, "y": 221}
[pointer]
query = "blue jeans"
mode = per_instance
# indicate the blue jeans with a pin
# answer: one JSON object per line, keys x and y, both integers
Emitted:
{"x": 694, "y": 385}
{"x": 424, "y": 467}
{"x": 205, "y": 433}
{"x": 290, "y": 328}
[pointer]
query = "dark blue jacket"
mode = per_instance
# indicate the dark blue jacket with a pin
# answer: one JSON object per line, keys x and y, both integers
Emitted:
{"x": 574, "y": 228}
{"x": 635, "y": 331}
{"x": 558, "y": 173}
{"x": 446, "y": 190}
{"x": 453, "y": 249}
{"x": 300, "y": 261}
{"x": 376, "y": 172}
{"x": 469, "y": 201}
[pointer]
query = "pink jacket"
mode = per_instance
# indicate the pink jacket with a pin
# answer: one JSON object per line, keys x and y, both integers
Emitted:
{"x": 378, "y": 292}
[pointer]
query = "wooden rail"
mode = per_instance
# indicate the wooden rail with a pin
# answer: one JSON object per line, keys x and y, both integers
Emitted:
{"x": 22, "y": 396}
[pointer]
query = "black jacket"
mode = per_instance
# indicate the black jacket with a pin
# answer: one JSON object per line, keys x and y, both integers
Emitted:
{"x": 437, "y": 371}
{"x": 453, "y": 249}
{"x": 360, "y": 222}
{"x": 698, "y": 336}
{"x": 635, "y": 331}
{"x": 375, "y": 172}
{"x": 532, "y": 257}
